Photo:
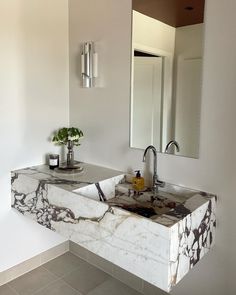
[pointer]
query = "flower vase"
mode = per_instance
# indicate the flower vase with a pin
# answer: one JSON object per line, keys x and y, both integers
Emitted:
{"x": 70, "y": 154}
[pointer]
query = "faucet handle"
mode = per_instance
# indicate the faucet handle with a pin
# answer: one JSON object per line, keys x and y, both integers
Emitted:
{"x": 160, "y": 183}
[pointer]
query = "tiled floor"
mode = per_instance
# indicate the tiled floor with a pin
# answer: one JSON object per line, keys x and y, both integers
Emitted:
{"x": 66, "y": 275}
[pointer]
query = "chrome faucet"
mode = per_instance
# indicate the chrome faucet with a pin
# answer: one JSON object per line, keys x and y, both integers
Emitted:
{"x": 169, "y": 144}
{"x": 155, "y": 182}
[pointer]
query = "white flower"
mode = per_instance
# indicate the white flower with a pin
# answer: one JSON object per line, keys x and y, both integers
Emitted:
{"x": 73, "y": 138}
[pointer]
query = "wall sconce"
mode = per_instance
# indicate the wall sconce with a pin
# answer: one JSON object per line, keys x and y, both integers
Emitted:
{"x": 89, "y": 65}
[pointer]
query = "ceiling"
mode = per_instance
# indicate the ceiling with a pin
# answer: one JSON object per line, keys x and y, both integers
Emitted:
{"x": 176, "y": 13}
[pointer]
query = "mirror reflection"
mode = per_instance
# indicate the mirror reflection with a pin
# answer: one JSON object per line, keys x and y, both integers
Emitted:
{"x": 166, "y": 75}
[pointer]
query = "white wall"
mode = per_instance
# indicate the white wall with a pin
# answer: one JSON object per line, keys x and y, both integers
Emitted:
{"x": 104, "y": 116}
{"x": 153, "y": 33}
{"x": 189, "y": 41}
{"x": 34, "y": 90}
{"x": 102, "y": 113}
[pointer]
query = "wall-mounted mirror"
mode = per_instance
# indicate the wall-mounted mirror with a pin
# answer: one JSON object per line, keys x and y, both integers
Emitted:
{"x": 167, "y": 75}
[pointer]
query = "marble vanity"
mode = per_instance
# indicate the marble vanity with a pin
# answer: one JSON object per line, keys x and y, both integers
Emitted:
{"x": 158, "y": 238}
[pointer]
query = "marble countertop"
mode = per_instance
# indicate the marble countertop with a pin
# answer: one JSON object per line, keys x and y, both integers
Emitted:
{"x": 91, "y": 174}
{"x": 169, "y": 205}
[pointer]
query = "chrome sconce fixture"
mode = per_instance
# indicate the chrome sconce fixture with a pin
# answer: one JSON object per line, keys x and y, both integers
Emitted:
{"x": 89, "y": 65}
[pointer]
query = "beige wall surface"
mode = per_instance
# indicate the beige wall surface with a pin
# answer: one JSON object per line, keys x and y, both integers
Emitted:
{"x": 103, "y": 114}
{"x": 34, "y": 82}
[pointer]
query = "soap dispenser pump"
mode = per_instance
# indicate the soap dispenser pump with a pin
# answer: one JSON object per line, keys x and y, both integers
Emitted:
{"x": 138, "y": 181}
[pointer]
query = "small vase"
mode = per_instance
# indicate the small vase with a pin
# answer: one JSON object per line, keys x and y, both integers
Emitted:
{"x": 70, "y": 154}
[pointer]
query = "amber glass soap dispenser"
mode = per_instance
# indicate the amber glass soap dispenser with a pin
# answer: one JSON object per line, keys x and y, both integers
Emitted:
{"x": 138, "y": 181}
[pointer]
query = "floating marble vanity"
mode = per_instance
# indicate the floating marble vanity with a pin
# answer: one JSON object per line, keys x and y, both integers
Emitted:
{"x": 159, "y": 239}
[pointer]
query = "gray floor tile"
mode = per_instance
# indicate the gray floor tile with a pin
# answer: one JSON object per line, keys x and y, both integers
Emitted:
{"x": 86, "y": 278}
{"x": 6, "y": 290}
{"x": 149, "y": 289}
{"x": 128, "y": 278}
{"x": 113, "y": 287}
{"x": 64, "y": 264}
{"x": 100, "y": 262}
{"x": 57, "y": 288}
{"x": 32, "y": 281}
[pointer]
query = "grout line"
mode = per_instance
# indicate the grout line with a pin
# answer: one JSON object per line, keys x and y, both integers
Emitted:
{"x": 12, "y": 289}
{"x": 40, "y": 289}
{"x": 68, "y": 273}
{"x": 142, "y": 288}
{"x": 35, "y": 265}
{"x": 101, "y": 268}
{"x": 92, "y": 263}
{"x": 126, "y": 284}
{"x": 58, "y": 277}
{"x": 63, "y": 276}
{"x": 79, "y": 293}
{"x": 112, "y": 274}
{"x": 62, "y": 279}
{"x": 54, "y": 280}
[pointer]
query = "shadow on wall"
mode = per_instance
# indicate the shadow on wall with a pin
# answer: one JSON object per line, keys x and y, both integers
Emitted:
{"x": 34, "y": 82}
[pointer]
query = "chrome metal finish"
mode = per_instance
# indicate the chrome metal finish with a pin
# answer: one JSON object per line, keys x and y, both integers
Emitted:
{"x": 155, "y": 182}
{"x": 70, "y": 154}
{"x": 88, "y": 67}
{"x": 172, "y": 143}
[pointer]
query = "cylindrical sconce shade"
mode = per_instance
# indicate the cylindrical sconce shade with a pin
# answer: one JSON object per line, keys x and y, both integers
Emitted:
{"x": 89, "y": 65}
{"x": 95, "y": 65}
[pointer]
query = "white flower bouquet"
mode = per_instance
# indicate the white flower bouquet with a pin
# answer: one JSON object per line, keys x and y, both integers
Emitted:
{"x": 65, "y": 135}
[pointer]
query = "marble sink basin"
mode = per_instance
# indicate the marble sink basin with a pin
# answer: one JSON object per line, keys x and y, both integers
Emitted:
{"x": 169, "y": 205}
{"x": 102, "y": 190}
{"x": 157, "y": 238}
{"x": 119, "y": 193}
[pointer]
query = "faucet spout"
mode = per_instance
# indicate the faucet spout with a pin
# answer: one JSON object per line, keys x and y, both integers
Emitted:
{"x": 153, "y": 149}
{"x": 155, "y": 182}
{"x": 174, "y": 143}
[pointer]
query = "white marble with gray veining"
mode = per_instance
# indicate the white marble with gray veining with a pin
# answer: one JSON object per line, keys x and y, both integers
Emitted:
{"x": 156, "y": 237}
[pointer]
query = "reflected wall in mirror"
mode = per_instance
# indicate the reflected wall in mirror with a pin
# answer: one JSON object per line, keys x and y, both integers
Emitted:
{"x": 166, "y": 75}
